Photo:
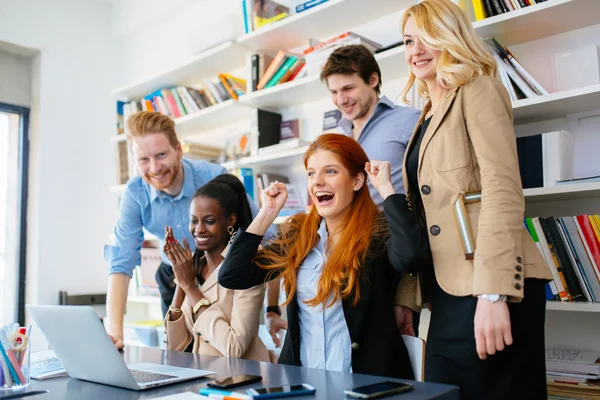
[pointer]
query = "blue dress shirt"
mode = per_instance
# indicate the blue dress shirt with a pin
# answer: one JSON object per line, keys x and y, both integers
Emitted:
{"x": 143, "y": 206}
{"x": 385, "y": 138}
{"x": 324, "y": 336}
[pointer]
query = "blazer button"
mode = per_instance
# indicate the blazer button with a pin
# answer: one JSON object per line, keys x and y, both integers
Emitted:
{"x": 355, "y": 346}
{"x": 519, "y": 260}
{"x": 435, "y": 230}
{"x": 518, "y": 286}
{"x": 425, "y": 189}
{"x": 517, "y": 277}
{"x": 519, "y": 268}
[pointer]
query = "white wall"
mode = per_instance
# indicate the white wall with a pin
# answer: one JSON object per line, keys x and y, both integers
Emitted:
{"x": 15, "y": 79}
{"x": 71, "y": 212}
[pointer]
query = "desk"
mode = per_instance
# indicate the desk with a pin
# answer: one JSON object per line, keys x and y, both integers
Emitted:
{"x": 330, "y": 385}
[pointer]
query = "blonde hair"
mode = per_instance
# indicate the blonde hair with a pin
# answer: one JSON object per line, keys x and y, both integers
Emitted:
{"x": 444, "y": 26}
{"x": 143, "y": 123}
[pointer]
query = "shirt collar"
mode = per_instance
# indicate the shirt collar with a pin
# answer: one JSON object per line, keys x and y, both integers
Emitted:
{"x": 187, "y": 189}
{"x": 323, "y": 231}
{"x": 346, "y": 125}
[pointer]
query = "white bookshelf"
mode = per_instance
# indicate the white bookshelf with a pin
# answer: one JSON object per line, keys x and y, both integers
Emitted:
{"x": 210, "y": 118}
{"x": 324, "y": 20}
{"x": 574, "y": 191}
{"x": 539, "y": 21}
{"x": 222, "y": 58}
{"x": 573, "y": 306}
{"x": 556, "y": 105}
{"x": 282, "y": 158}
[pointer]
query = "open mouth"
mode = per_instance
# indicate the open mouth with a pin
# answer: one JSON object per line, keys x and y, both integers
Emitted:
{"x": 324, "y": 198}
{"x": 200, "y": 240}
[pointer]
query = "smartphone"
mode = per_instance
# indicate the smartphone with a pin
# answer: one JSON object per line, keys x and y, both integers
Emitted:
{"x": 234, "y": 381}
{"x": 281, "y": 391}
{"x": 379, "y": 389}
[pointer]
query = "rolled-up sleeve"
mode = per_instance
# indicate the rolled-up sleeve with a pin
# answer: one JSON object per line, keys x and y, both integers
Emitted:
{"x": 129, "y": 237}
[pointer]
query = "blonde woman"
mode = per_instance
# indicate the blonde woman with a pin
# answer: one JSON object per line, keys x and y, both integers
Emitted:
{"x": 486, "y": 333}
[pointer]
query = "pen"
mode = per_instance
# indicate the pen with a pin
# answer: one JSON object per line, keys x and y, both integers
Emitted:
{"x": 19, "y": 395}
{"x": 11, "y": 360}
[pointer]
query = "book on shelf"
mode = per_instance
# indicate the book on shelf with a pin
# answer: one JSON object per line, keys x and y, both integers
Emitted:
{"x": 289, "y": 138}
{"x": 517, "y": 80}
{"x": 331, "y": 119}
{"x": 258, "y": 13}
{"x": 571, "y": 248}
{"x": 316, "y": 55}
{"x": 588, "y": 179}
{"x": 489, "y": 8}
{"x": 307, "y": 5}
{"x": 573, "y": 361}
{"x": 246, "y": 176}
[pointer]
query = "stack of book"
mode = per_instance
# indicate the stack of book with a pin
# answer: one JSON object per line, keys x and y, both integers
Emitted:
{"x": 268, "y": 71}
{"x": 571, "y": 248}
{"x": 519, "y": 83}
{"x": 488, "y": 8}
{"x": 315, "y": 56}
{"x": 573, "y": 374}
{"x": 179, "y": 101}
{"x": 198, "y": 151}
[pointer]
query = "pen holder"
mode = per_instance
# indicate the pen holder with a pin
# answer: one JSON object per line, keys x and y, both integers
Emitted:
{"x": 14, "y": 359}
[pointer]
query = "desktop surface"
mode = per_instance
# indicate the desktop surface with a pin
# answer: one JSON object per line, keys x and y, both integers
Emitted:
{"x": 330, "y": 385}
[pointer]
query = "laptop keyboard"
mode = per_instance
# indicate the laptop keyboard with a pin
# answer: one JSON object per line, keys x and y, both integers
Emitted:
{"x": 147, "y": 377}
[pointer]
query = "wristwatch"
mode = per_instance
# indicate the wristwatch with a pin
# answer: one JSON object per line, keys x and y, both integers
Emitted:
{"x": 203, "y": 302}
{"x": 273, "y": 309}
{"x": 493, "y": 298}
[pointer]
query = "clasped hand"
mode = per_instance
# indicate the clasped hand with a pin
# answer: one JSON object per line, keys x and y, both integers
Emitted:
{"x": 181, "y": 260}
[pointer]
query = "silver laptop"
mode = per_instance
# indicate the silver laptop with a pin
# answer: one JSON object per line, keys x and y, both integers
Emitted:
{"x": 80, "y": 342}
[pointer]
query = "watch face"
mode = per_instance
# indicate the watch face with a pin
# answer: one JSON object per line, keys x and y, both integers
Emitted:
{"x": 205, "y": 301}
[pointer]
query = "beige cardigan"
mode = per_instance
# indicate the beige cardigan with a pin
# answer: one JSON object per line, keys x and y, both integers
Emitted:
{"x": 228, "y": 327}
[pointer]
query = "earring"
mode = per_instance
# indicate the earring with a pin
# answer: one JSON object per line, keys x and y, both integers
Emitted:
{"x": 231, "y": 232}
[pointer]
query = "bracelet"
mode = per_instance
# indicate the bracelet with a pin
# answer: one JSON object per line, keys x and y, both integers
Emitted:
{"x": 173, "y": 309}
{"x": 273, "y": 309}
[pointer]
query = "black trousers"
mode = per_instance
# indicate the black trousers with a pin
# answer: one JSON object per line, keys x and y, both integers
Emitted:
{"x": 166, "y": 287}
{"x": 518, "y": 372}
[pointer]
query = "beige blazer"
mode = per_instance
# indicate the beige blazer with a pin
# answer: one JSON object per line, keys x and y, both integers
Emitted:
{"x": 470, "y": 146}
{"x": 228, "y": 327}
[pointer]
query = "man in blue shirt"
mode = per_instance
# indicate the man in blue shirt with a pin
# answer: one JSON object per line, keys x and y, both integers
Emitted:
{"x": 382, "y": 128}
{"x": 160, "y": 196}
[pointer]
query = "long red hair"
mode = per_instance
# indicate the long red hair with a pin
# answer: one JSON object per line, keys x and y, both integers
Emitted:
{"x": 363, "y": 224}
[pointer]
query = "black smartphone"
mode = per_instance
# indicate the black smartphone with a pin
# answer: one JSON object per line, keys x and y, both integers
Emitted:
{"x": 379, "y": 389}
{"x": 281, "y": 391}
{"x": 234, "y": 381}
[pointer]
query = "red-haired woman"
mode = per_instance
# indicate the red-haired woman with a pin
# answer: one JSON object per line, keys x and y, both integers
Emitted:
{"x": 339, "y": 267}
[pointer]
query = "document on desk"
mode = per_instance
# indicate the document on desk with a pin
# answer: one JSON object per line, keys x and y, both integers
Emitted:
{"x": 183, "y": 396}
{"x": 45, "y": 365}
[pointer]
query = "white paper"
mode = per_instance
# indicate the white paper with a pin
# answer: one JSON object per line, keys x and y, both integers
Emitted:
{"x": 182, "y": 396}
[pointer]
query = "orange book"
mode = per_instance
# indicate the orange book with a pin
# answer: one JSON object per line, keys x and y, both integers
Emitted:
{"x": 291, "y": 71}
{"x": 225, "y": 83}
{"x": 273, "y": 67}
